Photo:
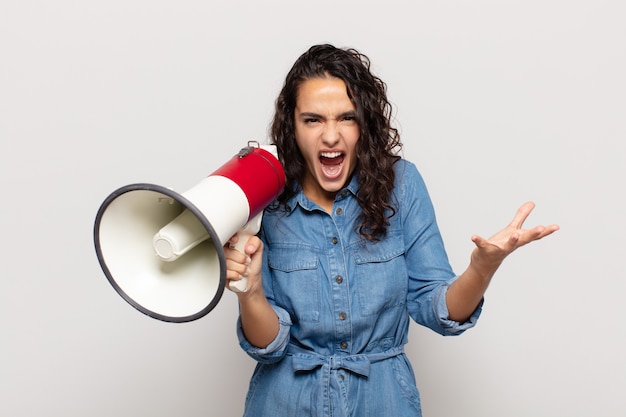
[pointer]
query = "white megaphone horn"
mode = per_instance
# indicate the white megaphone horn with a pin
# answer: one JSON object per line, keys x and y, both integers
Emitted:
{"x": 163, "y": 251}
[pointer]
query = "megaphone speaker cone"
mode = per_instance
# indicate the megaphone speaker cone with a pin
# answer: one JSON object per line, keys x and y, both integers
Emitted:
{"x": 179, "y": 291}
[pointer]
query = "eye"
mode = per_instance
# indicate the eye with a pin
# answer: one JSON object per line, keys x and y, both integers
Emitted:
{"x": 349, "y": 119}
{"x": 311, "y": 120}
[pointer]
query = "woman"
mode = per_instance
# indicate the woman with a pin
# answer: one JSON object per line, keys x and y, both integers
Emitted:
{"x": 349, "y": 253}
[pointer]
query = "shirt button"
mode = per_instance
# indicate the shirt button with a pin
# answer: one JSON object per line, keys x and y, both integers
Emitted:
{"x": 339, "y": 279}
{"x": 342, "y": 316}
{"x": 339, "y": 211}
{"x": 334, "y": 241}
{"x": 344, "y": 345}
{"x": 341, "y": 376}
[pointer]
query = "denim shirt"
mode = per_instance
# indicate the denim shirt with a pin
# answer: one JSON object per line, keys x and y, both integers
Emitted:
{"x": 344, "y": 305}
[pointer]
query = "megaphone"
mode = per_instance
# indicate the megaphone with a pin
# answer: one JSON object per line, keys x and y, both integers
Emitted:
{"x": 163, "y": 251}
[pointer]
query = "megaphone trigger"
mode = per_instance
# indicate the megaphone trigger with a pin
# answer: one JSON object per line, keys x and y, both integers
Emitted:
{"x": 250, "y": 229}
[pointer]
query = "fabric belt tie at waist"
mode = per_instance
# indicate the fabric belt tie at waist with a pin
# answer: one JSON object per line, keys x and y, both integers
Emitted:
{"x": 304, "y": 360}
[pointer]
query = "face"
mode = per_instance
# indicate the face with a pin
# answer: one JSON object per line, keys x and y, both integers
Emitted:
{"x": 326, "y": 134}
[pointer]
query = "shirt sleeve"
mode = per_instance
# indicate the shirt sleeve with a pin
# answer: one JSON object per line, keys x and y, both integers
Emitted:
{"x": 430, "y": 273}
{"x": 275, "y": 351}
{"x": 450, "y": 327}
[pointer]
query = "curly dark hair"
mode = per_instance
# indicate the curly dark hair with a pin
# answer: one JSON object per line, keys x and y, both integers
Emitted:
{"x": 379, "y": 141}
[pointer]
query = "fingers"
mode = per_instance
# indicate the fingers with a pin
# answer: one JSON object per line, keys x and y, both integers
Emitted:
{"x": 536, "y": 233}
{"x": 522, "y": 214}
{"x": 240, "y": 260}
{"x": 237, "y": 263}
{"x": 238, "y": 267}
{"x": 539, "y": 232}
{"x": 479, "y": 241}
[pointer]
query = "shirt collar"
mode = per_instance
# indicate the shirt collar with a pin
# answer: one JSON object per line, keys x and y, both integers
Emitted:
{"x": 299, "y": 199}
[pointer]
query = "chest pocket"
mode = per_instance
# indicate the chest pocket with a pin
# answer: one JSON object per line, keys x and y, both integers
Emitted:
{"x": 295, "y": 281}
{"x": 381, "y": 275}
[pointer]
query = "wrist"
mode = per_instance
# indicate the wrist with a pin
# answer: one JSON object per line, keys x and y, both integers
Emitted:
{"x": 483, "y": 267}
{"x": 253, "y": 293}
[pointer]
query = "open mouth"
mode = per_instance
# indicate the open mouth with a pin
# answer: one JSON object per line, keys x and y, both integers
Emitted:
{"x": 332, "y": 163}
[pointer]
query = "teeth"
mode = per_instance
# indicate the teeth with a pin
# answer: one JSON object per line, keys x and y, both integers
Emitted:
{"x": 331, "y": 154}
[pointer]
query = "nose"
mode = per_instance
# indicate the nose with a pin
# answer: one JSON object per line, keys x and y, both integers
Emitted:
{"x": 331, "y": 133}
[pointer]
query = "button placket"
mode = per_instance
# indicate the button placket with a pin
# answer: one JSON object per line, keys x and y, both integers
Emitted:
{"x": 337, "y": 270}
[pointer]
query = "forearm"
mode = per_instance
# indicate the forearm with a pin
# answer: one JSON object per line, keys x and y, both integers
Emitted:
{"x": 465, "y": 294}
{"x": 258, "y": 319}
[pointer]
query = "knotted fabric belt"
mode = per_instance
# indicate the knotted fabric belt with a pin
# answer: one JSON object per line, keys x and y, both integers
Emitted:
{"x": 306, "y": 360}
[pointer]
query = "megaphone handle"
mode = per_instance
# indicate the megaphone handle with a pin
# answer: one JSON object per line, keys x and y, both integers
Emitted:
{"x": 250, "y": 229}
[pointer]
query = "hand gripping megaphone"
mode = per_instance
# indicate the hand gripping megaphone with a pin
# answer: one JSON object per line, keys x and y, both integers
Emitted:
{"x": 163, "y": 251}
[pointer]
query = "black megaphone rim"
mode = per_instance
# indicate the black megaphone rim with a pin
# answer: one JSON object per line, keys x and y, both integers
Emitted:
{"x": 189, "y": 206}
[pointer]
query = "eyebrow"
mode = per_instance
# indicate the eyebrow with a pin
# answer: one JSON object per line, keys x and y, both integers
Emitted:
{"x": 350, "y": 113}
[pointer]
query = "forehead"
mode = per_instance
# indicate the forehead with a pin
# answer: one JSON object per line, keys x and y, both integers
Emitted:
{"x": 323, "y": 92}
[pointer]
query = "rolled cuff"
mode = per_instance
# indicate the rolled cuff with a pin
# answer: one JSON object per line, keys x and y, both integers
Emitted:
{"x": 277, "y": 348}
{"x": 451, "y": 327}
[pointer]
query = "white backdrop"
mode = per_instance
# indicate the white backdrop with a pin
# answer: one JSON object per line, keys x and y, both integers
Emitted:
{"x": 498, "y": 102}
